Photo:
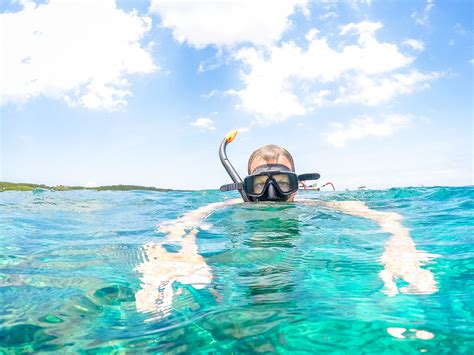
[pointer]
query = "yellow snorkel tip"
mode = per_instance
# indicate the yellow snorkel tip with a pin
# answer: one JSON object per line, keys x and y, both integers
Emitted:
{"x": 230, "y": 136}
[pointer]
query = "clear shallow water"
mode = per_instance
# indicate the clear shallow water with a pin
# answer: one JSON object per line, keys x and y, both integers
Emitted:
{"x": 284, "y": 278}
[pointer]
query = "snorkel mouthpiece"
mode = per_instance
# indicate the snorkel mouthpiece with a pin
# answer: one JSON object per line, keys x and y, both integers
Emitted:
{"x": 230, "y": 136}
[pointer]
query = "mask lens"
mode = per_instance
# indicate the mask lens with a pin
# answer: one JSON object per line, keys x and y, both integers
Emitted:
{"x": 259, "y": 183}
{"x": 283, "y": 181}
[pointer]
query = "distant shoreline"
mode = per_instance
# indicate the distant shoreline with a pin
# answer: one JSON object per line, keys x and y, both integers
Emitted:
{"x": 19, "y": 186}
{"x": 14, "y": 186}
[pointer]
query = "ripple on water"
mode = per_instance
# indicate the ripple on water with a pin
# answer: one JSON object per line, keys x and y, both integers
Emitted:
{"x": 114, "y": 295}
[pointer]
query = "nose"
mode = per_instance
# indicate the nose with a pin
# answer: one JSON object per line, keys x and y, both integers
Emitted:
{"x": 271, "y": 193}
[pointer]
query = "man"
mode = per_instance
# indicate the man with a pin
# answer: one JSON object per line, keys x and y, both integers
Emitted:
{"x": 271, "y": 178}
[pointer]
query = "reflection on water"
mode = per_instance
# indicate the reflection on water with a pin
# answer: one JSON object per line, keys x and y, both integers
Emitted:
{"x": 402, "y": 333}
{"x": 90, "y": 272}
{"x": 271, "y": 279}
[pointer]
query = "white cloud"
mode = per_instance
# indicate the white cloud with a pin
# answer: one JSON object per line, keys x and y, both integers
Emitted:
{"x": 328, "y": 15}
{"x": 226, "y": 22}
{"x": 365, "y": 27}
{"x": 377, "y": 90}
{"x": 332, "y": 3}
{"x": 204, "y": 67}
{"x": 287, "y": 80}
{"x": 266, "y": 94}
{"x": 360, "y": 128}
{"x": 363, "y": 2}
{"x": 26, "y": 4}
{"x": 415, "y": 44}
{"x": 459, "y": 29}
{"x": 422, "y": 17}
{"x": 311, "y": 35}
{"x": 210, "y": 94}
{"x": 471, "y": 61}
{"x": 204, "y": 123}
{"x": 77, "y": 51}
{"x": 354, "y": 4}
{"x": 213, "y": 63}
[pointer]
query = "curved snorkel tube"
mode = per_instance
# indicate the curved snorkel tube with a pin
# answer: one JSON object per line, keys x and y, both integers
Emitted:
{"x": 227, "y": 164}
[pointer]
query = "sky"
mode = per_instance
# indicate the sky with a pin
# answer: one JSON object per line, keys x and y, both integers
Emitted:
{"x": 365, "y": 92}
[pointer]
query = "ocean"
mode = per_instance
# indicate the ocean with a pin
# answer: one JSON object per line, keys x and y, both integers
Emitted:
{"x": 142, "y": 271}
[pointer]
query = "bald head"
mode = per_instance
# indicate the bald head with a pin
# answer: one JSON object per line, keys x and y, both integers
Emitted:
{"x": 270, "y": 154}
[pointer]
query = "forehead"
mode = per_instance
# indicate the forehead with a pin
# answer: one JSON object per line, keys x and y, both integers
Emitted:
{"x": 259, "y": 161}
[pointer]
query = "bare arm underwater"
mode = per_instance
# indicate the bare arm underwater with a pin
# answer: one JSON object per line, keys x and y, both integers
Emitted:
{"x": 161, "y": 268}
{"x": 400, "y": 258}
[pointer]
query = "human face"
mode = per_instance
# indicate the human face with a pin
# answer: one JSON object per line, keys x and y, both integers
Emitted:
{"x": 281, "y": 160}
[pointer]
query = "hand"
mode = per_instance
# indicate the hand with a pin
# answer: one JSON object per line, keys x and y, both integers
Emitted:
{"x": 162, "y": 268}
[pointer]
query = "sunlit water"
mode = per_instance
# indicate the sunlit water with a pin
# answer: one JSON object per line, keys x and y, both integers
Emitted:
{"x": 285, "y": 278}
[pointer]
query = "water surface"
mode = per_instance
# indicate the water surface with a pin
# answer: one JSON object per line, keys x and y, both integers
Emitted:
{"x": 75, "y": 271}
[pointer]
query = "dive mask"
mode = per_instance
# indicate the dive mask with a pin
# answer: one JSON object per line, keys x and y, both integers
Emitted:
{"x": 271, "y": 182}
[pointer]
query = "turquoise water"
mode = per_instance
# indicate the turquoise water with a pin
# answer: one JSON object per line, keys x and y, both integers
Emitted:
{"x": 280, "y": 278}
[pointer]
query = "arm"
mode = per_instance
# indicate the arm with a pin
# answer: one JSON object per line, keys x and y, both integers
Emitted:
{"x": 161, "y": 268}
{"x": 401, "y": 259}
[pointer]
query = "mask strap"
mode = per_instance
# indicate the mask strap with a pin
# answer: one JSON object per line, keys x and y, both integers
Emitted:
{"x": 230, "y": 187}
{"x": 270, "y": 167}
{"x": 310, "y": 176}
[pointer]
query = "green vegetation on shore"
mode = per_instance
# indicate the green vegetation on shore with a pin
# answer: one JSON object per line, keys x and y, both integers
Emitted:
{"x": 12, "y": 186}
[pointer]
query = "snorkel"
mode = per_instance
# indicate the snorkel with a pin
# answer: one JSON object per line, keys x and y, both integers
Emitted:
{"x": 228, "y": 166}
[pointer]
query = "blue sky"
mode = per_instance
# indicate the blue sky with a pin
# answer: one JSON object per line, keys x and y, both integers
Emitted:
{"x": 375, "y": 93}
